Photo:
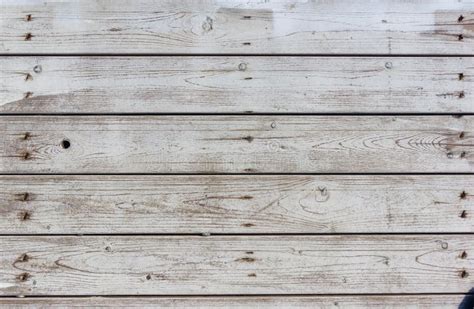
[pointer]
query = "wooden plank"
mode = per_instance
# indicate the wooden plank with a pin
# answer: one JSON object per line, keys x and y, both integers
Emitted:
{"x": 235, "y": 85}
{"x": 435, "y": 301}
{"x": 243, "y": 27}
{"x": 236, "y": 204}
{"x": 193, "y": 265}
{"x": 242, "y": 144}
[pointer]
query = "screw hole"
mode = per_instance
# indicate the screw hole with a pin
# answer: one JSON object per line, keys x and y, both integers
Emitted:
{"x": 460, "y": 37}
{"x": 460, "y": 18}
{"x": 148, "y": 277}
{"x": 65, "y": 144}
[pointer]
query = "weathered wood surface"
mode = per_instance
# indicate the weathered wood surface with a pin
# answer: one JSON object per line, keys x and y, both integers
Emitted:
{"x": 242, "y": 27}
{"x": 243, "y": 144}
{"x": 436, "y": 301}
{"x": 235, "y": 85}
{"x": 236, "y": 204}
{"x": 177, "y": 265}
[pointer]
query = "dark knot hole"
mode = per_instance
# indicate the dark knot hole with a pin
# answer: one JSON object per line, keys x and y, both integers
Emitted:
{"x": 65, "y": 144}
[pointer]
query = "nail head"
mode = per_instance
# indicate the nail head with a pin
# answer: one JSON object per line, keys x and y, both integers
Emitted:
{"x": 37, "y": 69}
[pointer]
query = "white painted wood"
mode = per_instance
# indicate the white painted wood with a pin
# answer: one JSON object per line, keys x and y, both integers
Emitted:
{"x": 235, "y": 85}
{"x": 436, "y": 301}
{"x": 236, "y": 204}
{"x": 243, "y": 27}
{"x": 242, "y": 144}
{"x": 177, "y": 265}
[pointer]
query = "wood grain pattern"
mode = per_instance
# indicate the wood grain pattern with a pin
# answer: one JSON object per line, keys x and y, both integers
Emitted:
{"x": 435, "y": 301}
{"x": 243, "y": 144}
{"x": 236, "y": 204}
{"x": 243, "y": 27}
{"x": 235, "y": 85}
{"x": 176, "y": 265}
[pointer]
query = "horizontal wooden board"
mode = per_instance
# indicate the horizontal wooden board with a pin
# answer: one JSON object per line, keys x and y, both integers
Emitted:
{"x": 236, "y": 204}
{"x": 243, "y": 27}
{"x": 193, "y": 265}
{"x": 436, "y": 301}
{"x": 242, "y": 144}
{"x": 235, "y": 85}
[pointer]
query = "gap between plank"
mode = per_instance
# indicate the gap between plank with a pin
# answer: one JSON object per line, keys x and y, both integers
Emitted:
{"x": 234, "y": 234}
{"x": 228, "y": 55}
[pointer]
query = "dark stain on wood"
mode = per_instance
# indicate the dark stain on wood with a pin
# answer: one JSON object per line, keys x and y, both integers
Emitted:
{"x": 23, "y": 277}
{"x": 23, "y": 258}
{"x": 25, "y": 215}
{"x": 246, "y": 260}
{"x": 248, "y": 138}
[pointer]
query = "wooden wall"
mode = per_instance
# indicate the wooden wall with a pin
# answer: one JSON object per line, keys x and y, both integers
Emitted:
{"x": 210, "y": 154}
